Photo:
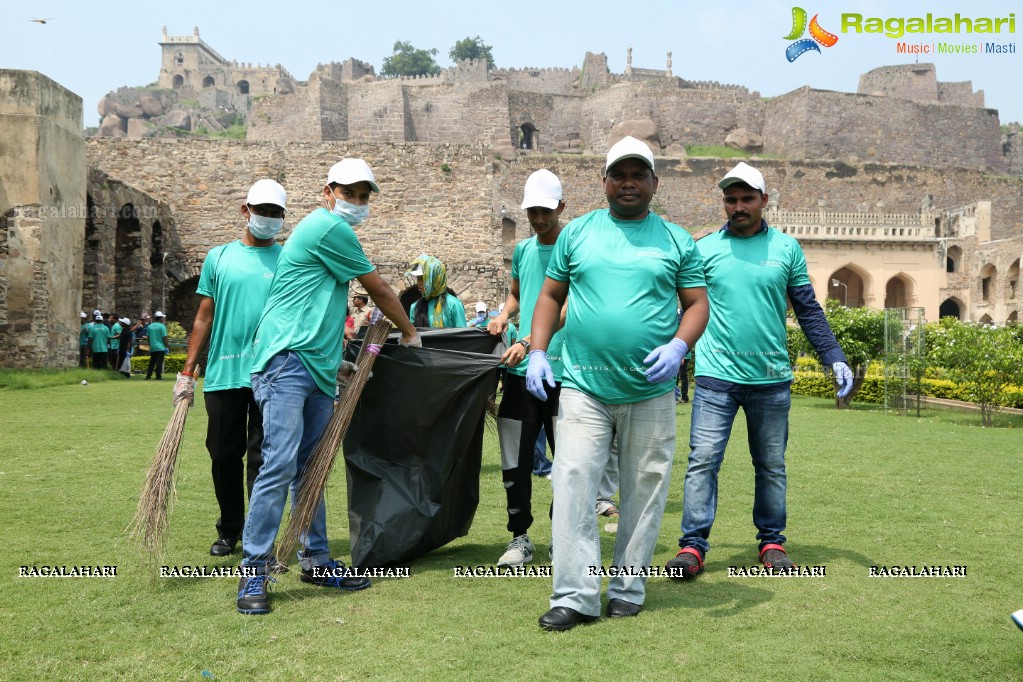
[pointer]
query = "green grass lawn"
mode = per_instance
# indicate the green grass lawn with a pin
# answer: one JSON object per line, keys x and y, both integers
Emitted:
{"x": 864, "y": 489}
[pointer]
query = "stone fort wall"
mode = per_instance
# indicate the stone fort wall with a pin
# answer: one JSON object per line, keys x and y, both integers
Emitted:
{"x": 819, "y": 124}
{"x": 447, "y": 199}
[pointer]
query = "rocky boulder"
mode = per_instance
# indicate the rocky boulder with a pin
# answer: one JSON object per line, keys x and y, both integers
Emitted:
{"x": 176, "y": 119}
{"x": 112, "y": 125}
{"x": 151, "y": 106}
{"x": 675, "y": 151}
{"x": 640, "y": 128}
{"x": 747, "y": 140}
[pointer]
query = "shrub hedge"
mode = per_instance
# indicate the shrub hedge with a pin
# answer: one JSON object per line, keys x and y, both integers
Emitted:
{"x": 172, "y": 364}
{"x": 809, "y": 379}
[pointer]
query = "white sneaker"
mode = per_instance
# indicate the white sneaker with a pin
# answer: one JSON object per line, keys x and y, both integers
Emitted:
{"x": 520, "y": 551}
{"x": 1018, "y": 618}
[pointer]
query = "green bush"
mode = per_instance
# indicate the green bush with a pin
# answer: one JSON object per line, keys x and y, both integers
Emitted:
{"x": 172, "y": 364}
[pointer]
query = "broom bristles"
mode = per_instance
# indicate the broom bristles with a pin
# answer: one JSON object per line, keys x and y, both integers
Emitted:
{"x": 313, "y": 481}
{"x": 149, "y": 524}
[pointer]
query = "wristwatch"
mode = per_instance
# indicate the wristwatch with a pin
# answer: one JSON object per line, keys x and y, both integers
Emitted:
{"x": 525, "y": 344}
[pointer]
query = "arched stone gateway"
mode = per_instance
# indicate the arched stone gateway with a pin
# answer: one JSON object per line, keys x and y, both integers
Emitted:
{"x": 849, "y": 286}
{"x": 951, "y": 308}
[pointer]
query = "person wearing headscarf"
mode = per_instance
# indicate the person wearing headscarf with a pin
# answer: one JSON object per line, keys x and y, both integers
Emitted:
{"x": 437, "y": 308}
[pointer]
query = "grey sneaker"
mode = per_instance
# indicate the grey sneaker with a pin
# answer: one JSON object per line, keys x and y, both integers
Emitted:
{"x": 519, "y": 551}
{"x": 606, "y": 508}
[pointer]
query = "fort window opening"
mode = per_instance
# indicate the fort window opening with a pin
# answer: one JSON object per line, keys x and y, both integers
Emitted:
{"x": 953, "y": 258}
{"x": 988, "y": 278}
{"x": 243, "y": 87}
{"x": 527, "y": 136}
{"x": 208, "y": 82}
{"x": 179, "y": 59}
{"x": 178, "y": 81}
{"x": 1013, "y": 278}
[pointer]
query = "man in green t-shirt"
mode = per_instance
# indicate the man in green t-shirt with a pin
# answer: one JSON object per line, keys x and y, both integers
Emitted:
{"x": 83, "y": 341}
{"x": 753, "y": 271}
{"x": 521, "y": 416}
{"x": 99, "y": 340}
{"x": 621, "y": 258}
{"x": 157, "y": 333}
{"x": 296, "y": 351}
{"x": 233, "y": 287}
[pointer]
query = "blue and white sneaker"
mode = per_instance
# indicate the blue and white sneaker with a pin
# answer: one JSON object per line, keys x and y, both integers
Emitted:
{"x": 335, "y": 574}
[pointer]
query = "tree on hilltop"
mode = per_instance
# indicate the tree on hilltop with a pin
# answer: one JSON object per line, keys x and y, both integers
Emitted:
{"x": 472, "y": 48}
{"x": 407, "y": 60}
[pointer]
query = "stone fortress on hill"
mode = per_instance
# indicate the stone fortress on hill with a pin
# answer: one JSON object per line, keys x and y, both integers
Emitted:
{"x": 907, "y": 193}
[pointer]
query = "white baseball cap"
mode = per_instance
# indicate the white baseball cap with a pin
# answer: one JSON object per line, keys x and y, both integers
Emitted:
{"x": 267, "y": 192}
{"x": 481, "y": 307}
{"x": 351, "y": 171}
{"x": 124, "y": 320}
{"x": 743, "y": 172}
{"x": 98, "y": 318}
{"x": 542, "y": 189}
{"x": 629, "y": 148}
{"x": 84, "y": 316}
{"x": 158, "y": 313}
{"x": 418, "y": 271}
{"x": 96, "y": 312}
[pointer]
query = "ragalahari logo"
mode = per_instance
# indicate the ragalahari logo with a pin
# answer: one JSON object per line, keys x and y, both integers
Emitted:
{"x": 817, "y": 35}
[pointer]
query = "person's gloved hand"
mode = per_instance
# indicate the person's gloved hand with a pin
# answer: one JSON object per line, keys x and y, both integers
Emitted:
{"x": 844, "y": 377}
{"x": 184, "y": 389}
{"x": 539, "y": 371}
{"x": 414, "y": 341}
{"x": 665, "y": 360}
{"x": 346, "y": 371}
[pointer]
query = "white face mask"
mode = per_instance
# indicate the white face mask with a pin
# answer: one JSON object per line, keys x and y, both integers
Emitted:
{"x": 352, "y": 214}
{"x": 262, "y": 227}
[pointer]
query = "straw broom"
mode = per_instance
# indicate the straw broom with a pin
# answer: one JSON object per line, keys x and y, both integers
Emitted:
{"x": 149, "y": 525}
{"x": 313, "y": 482}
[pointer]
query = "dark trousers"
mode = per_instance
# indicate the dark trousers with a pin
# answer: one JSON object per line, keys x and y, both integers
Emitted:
{"x": 683, "y": 380}
{"x": 83, "y": 356}
{"x": 99, "y": 359}
{"x": 519, "y": 419}
{"x": 234, "y": 429}
{"x": 156, "y": 362}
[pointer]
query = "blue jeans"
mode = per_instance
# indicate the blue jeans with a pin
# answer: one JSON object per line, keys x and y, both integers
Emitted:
{"x": 767, "y": 421}
{"x": 541, "y": 465}
{"x": 646, "y": 447}
{"x": 295, "y": 412}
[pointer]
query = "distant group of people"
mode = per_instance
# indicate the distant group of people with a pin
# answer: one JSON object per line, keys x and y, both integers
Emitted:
{"x": 601, "y": 396}
{"x": 108, "y": 342}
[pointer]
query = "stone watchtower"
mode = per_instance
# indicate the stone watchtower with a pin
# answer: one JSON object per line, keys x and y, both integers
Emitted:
{"x": 188, "y": 63}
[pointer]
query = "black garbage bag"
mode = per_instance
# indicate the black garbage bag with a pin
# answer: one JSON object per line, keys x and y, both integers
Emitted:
{"x": 415, "y": 444}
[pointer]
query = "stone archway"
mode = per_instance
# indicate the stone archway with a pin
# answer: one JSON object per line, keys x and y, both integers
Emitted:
{"x": 178, "y": 81}
{"x": 128, "y": 270}
{"x": 951, "y": 307}
{"x": 899, "y": 292}
{"x": 849, "y": 286}
{"x": 243, "y": 87}
{"x": 183, "y": 302}
{"x": 157, "y": 261}
{"x": 208, "y": 82}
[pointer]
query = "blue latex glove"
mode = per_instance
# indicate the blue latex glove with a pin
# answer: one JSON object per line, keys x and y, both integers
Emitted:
{"x": 538, "y": 371}
{"x": 666, "y": 359}
{"x": 844, "y": 377}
